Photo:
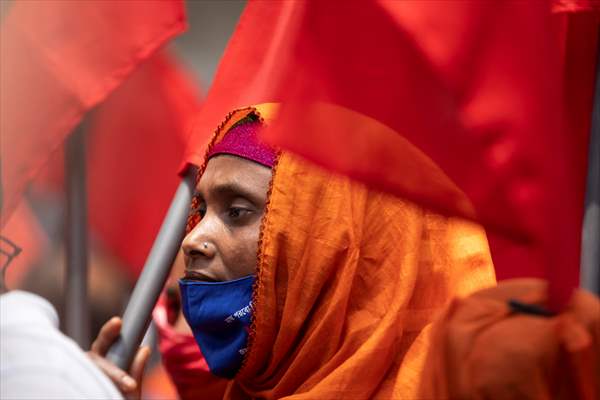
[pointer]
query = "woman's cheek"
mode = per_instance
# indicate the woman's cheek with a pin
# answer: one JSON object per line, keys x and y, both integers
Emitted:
{"x": 248, "y": 259}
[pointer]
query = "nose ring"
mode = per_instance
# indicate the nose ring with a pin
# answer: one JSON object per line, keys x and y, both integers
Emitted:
{"x": 205, "y": 245}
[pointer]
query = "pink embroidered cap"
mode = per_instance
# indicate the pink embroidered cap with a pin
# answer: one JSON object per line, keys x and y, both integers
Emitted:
{"x": 242, "y": 141}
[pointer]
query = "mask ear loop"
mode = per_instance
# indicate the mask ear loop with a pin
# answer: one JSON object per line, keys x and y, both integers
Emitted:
{"x": 10, "y": 250}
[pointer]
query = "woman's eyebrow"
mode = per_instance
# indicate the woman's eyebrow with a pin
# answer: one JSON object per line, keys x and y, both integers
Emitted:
{"x": 232, "y": 189}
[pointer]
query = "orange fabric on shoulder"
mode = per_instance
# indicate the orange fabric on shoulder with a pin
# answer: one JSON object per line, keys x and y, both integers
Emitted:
{"x": 481, "y": 349}
{"x": 347, "y": 281}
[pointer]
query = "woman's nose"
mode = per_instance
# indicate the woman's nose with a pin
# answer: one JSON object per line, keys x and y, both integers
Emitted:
{"x": 199, "y": 243}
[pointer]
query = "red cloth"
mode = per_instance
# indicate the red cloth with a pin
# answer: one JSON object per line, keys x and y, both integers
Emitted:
{"x": 384, "y": 88}
{"x": 184, "y": 361}
{"x": 578, "y": 43}
{"x": 61, "y": 58}
{"x": 136, "y": 141}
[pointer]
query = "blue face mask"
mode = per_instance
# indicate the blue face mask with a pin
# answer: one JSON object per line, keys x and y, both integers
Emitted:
{"x": 219, "y": 314}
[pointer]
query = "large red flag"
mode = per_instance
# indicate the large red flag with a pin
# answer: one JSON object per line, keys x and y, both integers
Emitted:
{"x": 430, "y": 101}
{"x": 60, "y": 58}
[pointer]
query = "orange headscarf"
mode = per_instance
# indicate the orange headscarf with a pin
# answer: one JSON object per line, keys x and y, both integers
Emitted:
{"x": 347, "y": 281}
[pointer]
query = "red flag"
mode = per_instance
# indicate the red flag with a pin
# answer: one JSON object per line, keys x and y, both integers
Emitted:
{"x": 578, "y": 42}
{"x": 60, "y": 58}
{"x": 136, "y": 141}
{"x": 426, "y": 100}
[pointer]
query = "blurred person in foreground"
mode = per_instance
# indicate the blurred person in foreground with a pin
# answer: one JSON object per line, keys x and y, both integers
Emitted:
{"x": 39, "y": 362}
{"x": 298, "y": 281}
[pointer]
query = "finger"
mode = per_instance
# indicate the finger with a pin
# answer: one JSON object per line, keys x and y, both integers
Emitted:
{"x": 120, "y": 378}
{"x": 137, "y": 369}
{"x": 108, "y": 334}
{"x": 139, "y": 363}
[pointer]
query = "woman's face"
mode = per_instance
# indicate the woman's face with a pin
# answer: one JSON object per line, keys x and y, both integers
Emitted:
{"x": 232, "y": 194}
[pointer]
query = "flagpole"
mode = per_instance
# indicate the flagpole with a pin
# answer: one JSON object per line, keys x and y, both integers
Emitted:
{"x": 590, "y": 242}
{"x": 77, "y": 320}
{"x": 136, "y": 317}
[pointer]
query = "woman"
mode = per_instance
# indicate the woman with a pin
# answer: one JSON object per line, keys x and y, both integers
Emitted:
{"x": 340, "y": 281}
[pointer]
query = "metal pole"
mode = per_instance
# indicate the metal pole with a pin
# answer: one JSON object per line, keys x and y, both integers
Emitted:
{"x": 77, "y": 322}
{"x": 590, "y": 241}
{"x": 154, "y": 275}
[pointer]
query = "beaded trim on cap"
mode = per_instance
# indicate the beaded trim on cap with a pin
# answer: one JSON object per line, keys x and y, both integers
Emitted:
{"x": 242, "y": 141}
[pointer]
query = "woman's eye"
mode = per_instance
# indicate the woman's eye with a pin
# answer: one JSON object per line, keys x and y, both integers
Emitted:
{"x": 237, "y": 212}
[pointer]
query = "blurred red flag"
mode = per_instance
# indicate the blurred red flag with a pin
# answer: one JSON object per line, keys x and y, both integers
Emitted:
{"x": 136, "y": 140}
{"x": 430, "y": 101}
{"x": 60, "y": 58}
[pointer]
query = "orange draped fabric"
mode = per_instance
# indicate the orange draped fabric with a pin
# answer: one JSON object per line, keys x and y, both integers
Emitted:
{"x": 483, "y": 350}
{"x": 348, "y": 280}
